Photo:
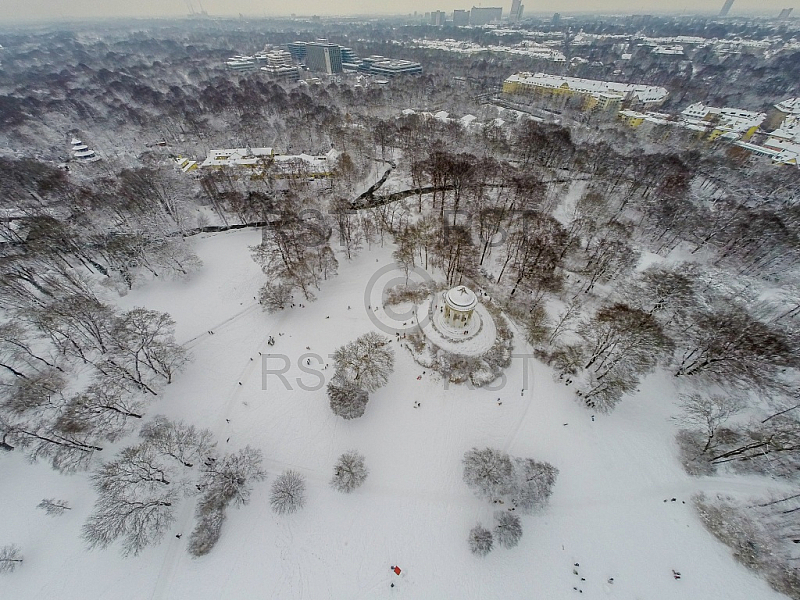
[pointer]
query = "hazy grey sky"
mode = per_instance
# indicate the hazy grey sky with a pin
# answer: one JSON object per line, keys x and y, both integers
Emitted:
{"x": 48, "y": 9}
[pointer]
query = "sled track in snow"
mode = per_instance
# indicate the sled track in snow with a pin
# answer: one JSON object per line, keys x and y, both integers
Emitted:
{"x": 192, "y": 342}
{"x": 183, "y": 522}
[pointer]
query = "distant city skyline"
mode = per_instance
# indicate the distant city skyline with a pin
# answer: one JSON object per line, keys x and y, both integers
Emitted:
{"x": 11, "y": 10}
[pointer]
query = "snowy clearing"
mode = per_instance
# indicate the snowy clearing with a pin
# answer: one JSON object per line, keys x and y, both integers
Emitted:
{"x": 607, "y": 512}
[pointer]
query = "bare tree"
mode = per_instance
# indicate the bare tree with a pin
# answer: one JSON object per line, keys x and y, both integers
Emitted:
{"x": 709, "y": 413}
{"x": 54, "y": 507}
{"x": 229, "y": 479}
{"x": 536, "y": 325}
{"x": 288, "y": 492}
{"x": 480, "y": 540}
{"x": 507, "y": 529}
{"x": 10, "y": 558}
{"x": 274, "y": 296}
{"x": 140, "y": 517}
{"x": 455, "y": 253}
{"x": 668, "y": 293}
{"x": 732, "y": 348}
{"x": 140, "y": 467}
{"x": 533, "y": 483}
{"x": 565, "y": 319}
{"x": 135, "y": 503}
{"x": 773, "y": 446}
{"x": 622, "y": 343}
{"x": 36, "y": 391}
{"x": 489, "y": 472}
{"x": 608, "y": 258}
{"x": 104, "y": 407}
{"x": 366, "y": 362}
{"x": 184, "y": 443}
{"x": 78, "y": 324}
{"x": 347, "y": 400}
{"x": 31, "y": 418}
{"x": 17, "y": 353}
{"x": 349, "y": 472}
{"x": 143, "y": 349}
{"x": 351, "y": 235}
{"x": 292, "y": 251}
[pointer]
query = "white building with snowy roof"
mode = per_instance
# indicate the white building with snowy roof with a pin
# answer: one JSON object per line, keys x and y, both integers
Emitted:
{"x": 278, "y": 165}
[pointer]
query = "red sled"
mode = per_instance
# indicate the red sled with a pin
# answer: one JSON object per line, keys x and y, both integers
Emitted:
{"x": 397, "y": 570}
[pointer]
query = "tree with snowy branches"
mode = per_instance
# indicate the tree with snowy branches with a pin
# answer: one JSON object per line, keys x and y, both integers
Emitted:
{"x": 489, "y": 472}
{"x": 507, "y": 529}
{"x": 288, "y": 492}
{"x": 366, "y": 362}
{"x": 533, "y": 483}
{"x": 349, "y": 472}
{"x": 347, "y": 400}
{"x": 481, "y": 540}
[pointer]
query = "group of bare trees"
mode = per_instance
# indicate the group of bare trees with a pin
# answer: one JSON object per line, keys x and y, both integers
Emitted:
{"x": 762, "y": 534}
{"x": 139, "y": 490}
{"x": 133, "y": 354}
{"x": 296, "y": 256}
{"x": 362, "y": 366}
{"x": 524, "y": 483}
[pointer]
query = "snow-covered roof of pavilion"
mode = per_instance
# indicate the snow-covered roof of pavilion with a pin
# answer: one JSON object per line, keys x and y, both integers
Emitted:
{"x": 461, "y": 298}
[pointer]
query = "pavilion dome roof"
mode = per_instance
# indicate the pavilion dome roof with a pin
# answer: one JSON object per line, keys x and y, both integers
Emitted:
{"x": 461, "y": 298}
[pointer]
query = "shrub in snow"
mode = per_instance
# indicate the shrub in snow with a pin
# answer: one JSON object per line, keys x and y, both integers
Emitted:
{"x": 10, "y": 558}
{"x": 288, "y": 492}
{"x": 480, "y": 540}
{"x": 347, "y": 399}
{"x": 54, "y": 507}
{"x": 208, "y": 528}
{"x": 507, "y": 529}
{"x": 349, "y": 472}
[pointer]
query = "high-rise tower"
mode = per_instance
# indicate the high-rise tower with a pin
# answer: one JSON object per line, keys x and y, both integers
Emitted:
{"x": 516, "y": 11}
{"x": 726, "y": 8}
{"x": 323, "y": 57}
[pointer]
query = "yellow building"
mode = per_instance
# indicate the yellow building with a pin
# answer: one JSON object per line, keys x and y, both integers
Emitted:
{"x": 631, "y": 118}
{"x": 600, "y": 95}
{"x": 603, "y": 101}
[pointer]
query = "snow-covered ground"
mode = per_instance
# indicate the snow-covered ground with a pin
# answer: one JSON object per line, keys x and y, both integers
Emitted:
{"x": 607, "y": 512}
